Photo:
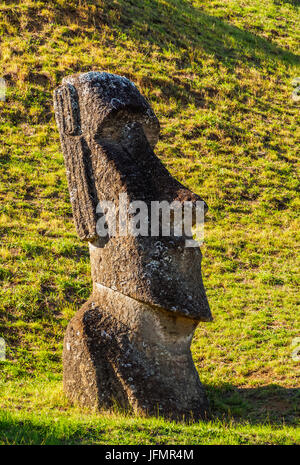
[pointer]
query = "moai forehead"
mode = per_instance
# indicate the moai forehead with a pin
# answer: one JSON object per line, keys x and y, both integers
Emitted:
{"x": 108, "y": 131}
{"x": 107, "y": 102}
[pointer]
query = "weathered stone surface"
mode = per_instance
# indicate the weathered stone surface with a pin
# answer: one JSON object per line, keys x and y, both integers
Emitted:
{"x": 148, "y": 294}
{"x": 119, "y": 351}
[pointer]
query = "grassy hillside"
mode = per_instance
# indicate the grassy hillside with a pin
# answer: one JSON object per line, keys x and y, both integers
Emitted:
{"x": 218, "y": 75}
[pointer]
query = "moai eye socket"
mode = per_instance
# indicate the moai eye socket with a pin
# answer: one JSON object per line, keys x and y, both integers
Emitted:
{"x": 112, "y": 127}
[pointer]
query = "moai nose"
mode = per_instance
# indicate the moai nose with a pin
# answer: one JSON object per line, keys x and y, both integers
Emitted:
{"x": 135, "y": 142}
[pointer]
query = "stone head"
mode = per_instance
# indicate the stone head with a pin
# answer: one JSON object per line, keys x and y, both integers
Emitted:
{"x": 108, "y": 132}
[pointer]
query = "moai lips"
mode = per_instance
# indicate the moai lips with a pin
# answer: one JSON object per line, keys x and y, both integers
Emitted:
{"x": 108, "y": 132}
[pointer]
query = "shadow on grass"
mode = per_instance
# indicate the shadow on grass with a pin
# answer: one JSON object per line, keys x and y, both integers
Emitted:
{"x": 269, "y": 405}
{"x": 17, "y": 432}
{"x": 272, "y": 404}
{"x": 290, "y": 2}
{"x": 174, "y": 25}
{"x": 177, "y": 22}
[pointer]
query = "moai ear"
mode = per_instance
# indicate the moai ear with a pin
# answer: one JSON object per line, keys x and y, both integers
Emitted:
{"x": 77, "y": 160}
{"x": 67, "y": 110}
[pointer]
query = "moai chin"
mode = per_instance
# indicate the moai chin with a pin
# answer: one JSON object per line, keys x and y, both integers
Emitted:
{"x": 129, "y": 344}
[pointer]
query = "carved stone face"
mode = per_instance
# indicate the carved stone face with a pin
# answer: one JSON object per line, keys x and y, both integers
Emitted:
{"x": 108, "y": 132}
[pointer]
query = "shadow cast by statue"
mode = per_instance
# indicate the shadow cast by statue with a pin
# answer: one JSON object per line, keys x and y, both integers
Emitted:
{"x": 264, "y": 405}
{"x": 271, "y": 404}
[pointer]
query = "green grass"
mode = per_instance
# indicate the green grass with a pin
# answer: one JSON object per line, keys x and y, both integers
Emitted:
{"x": 39, "y": 414}
{"x": 218, "y": 75}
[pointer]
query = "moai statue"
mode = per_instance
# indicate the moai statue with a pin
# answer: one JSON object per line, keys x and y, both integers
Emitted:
{"x": 129, "y": 344}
